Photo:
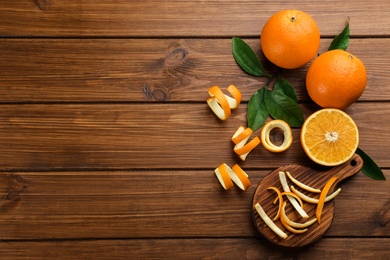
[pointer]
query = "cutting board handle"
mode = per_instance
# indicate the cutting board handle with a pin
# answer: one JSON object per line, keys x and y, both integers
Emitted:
{"x": 348, "y": 169}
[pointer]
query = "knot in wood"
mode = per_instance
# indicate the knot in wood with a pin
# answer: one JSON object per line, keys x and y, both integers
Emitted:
{"x": 42, "y": 4}
{"x": 176, "y": 57}
{"x": 155, "y": 91}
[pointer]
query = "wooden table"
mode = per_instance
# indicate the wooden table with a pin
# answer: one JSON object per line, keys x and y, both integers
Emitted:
{"x": 108, "y": 148}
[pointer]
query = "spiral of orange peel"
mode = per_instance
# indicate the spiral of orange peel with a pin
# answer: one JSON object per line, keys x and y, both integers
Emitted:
{"x": 227, "y": 176}
{"x": 266, "y": 130}
{"x": 221, "y": 104}
{"x": 240, "y": 138}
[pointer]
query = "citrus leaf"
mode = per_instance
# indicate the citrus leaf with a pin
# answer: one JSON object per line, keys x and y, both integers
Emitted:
{"x": 370, "y": 168}
{"x": 246, "y": 58}
{"x": 285, "y": 87}
{"x": 257, "y": 111}
{"x": 282, "y": 107}
{"x": 341, "y": 41}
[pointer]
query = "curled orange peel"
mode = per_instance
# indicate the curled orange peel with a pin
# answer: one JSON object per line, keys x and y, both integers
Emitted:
{"x": 323, "y": 194}
{"x": 280, "y": 198}
{"x": 241, "y": 134}
{"x": 266, "y": 130}
{"x": 243, "y": 147}
{"x": 240, "y": 177}
{"x": 220, "y": 103}
{"x": 269, "y": 221}
{"x": 227, "y": 176}
{"x": 314, "y": 200}
{"x": 302, "y": 185}
{"x": 294, "y": 202}
{"x": 223, "y": 176}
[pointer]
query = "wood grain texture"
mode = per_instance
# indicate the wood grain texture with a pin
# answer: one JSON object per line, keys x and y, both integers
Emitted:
{"x": 224, "y": 248}
{"x": 143, "y": 204}
{"x": 159, "y": 70}
{"x": 108, "y": 146}
{"x": 150, "y": 136}
{"x": 145, "y": 18}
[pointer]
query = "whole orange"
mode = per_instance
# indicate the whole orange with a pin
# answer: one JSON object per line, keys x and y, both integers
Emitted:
{"x": 336, "y": 79}
{"x": 290, "y": 39}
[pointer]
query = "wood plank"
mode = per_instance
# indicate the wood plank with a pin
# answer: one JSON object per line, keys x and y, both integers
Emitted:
{"x": 121, "y": 70}
{"x": 144, "y": 18}
{"x": 137, "y": 136}
{"x": 156, "y": 204}
{"x": 225, "y": 248}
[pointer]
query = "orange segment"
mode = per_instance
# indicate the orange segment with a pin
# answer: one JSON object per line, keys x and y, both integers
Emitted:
{"x": 329, "y": 137}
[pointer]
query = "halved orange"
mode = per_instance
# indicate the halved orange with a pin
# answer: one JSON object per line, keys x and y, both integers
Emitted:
{"x": 329, "y": 137}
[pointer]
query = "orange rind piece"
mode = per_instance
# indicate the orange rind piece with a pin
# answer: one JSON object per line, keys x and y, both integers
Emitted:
{"x": 240, "y": 177}
{"x": 242, "y": 134}
{"x": 223, "y": 177}
{"x": 240, "y": 138}
{"x": 244, "y": 151}
{"x": 220, "y": 103}
{"x": 314, "y": 200}
{"x": 302, "y": 185}
{"x": 269, "y": 221}
{"x": 280, "y": 198}
{"x": 294, "y": 202}
{"x": 287, "y": 133}
{"x": 227, "y": 176}
{"x": 323, "y": 194}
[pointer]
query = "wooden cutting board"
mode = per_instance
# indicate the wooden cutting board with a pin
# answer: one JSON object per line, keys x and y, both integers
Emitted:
{"x": 313, "y": 178}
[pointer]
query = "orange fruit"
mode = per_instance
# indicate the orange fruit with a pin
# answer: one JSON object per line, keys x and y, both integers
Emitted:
{"x": 329, "y": 137}
{"x": 336, "y": 79}
{"x": 290, "y": 39}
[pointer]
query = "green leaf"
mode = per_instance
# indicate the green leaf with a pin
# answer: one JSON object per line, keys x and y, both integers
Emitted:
{"x": 282, "y": 107}
{"x": 341, "y": 41}
{"x": 247, "y": 58}
{"x": 283, "y": 86}
{"x": 257, "y": 111}
{"x": 370, "y": 168}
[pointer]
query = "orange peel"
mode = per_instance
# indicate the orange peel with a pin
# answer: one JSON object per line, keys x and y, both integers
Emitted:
{"x": 269, "y": 221}
{"x": 280, "y": 198}
{"x": 289, "y": 193}
{"x": 240, "y": 138}
{"x": 220, "y": 103}
{"x": 323, "y": 194}
{"x": 223, "y": 176}
{"x": 227, "y": 176}
{"x": 314, "y": 200}
{"x": 294, "y": 202}
{"x": 291, "y": 223}
{"x": 240, "y": 177}
{"x": 287, "y": 133}
{"x": 242, "y": 134}
{"x": 302, "y": 185}
{"x": 291, "y": 229}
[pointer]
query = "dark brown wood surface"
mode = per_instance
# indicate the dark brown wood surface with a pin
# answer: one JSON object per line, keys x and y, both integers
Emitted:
{"x": 108, "y": 147}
